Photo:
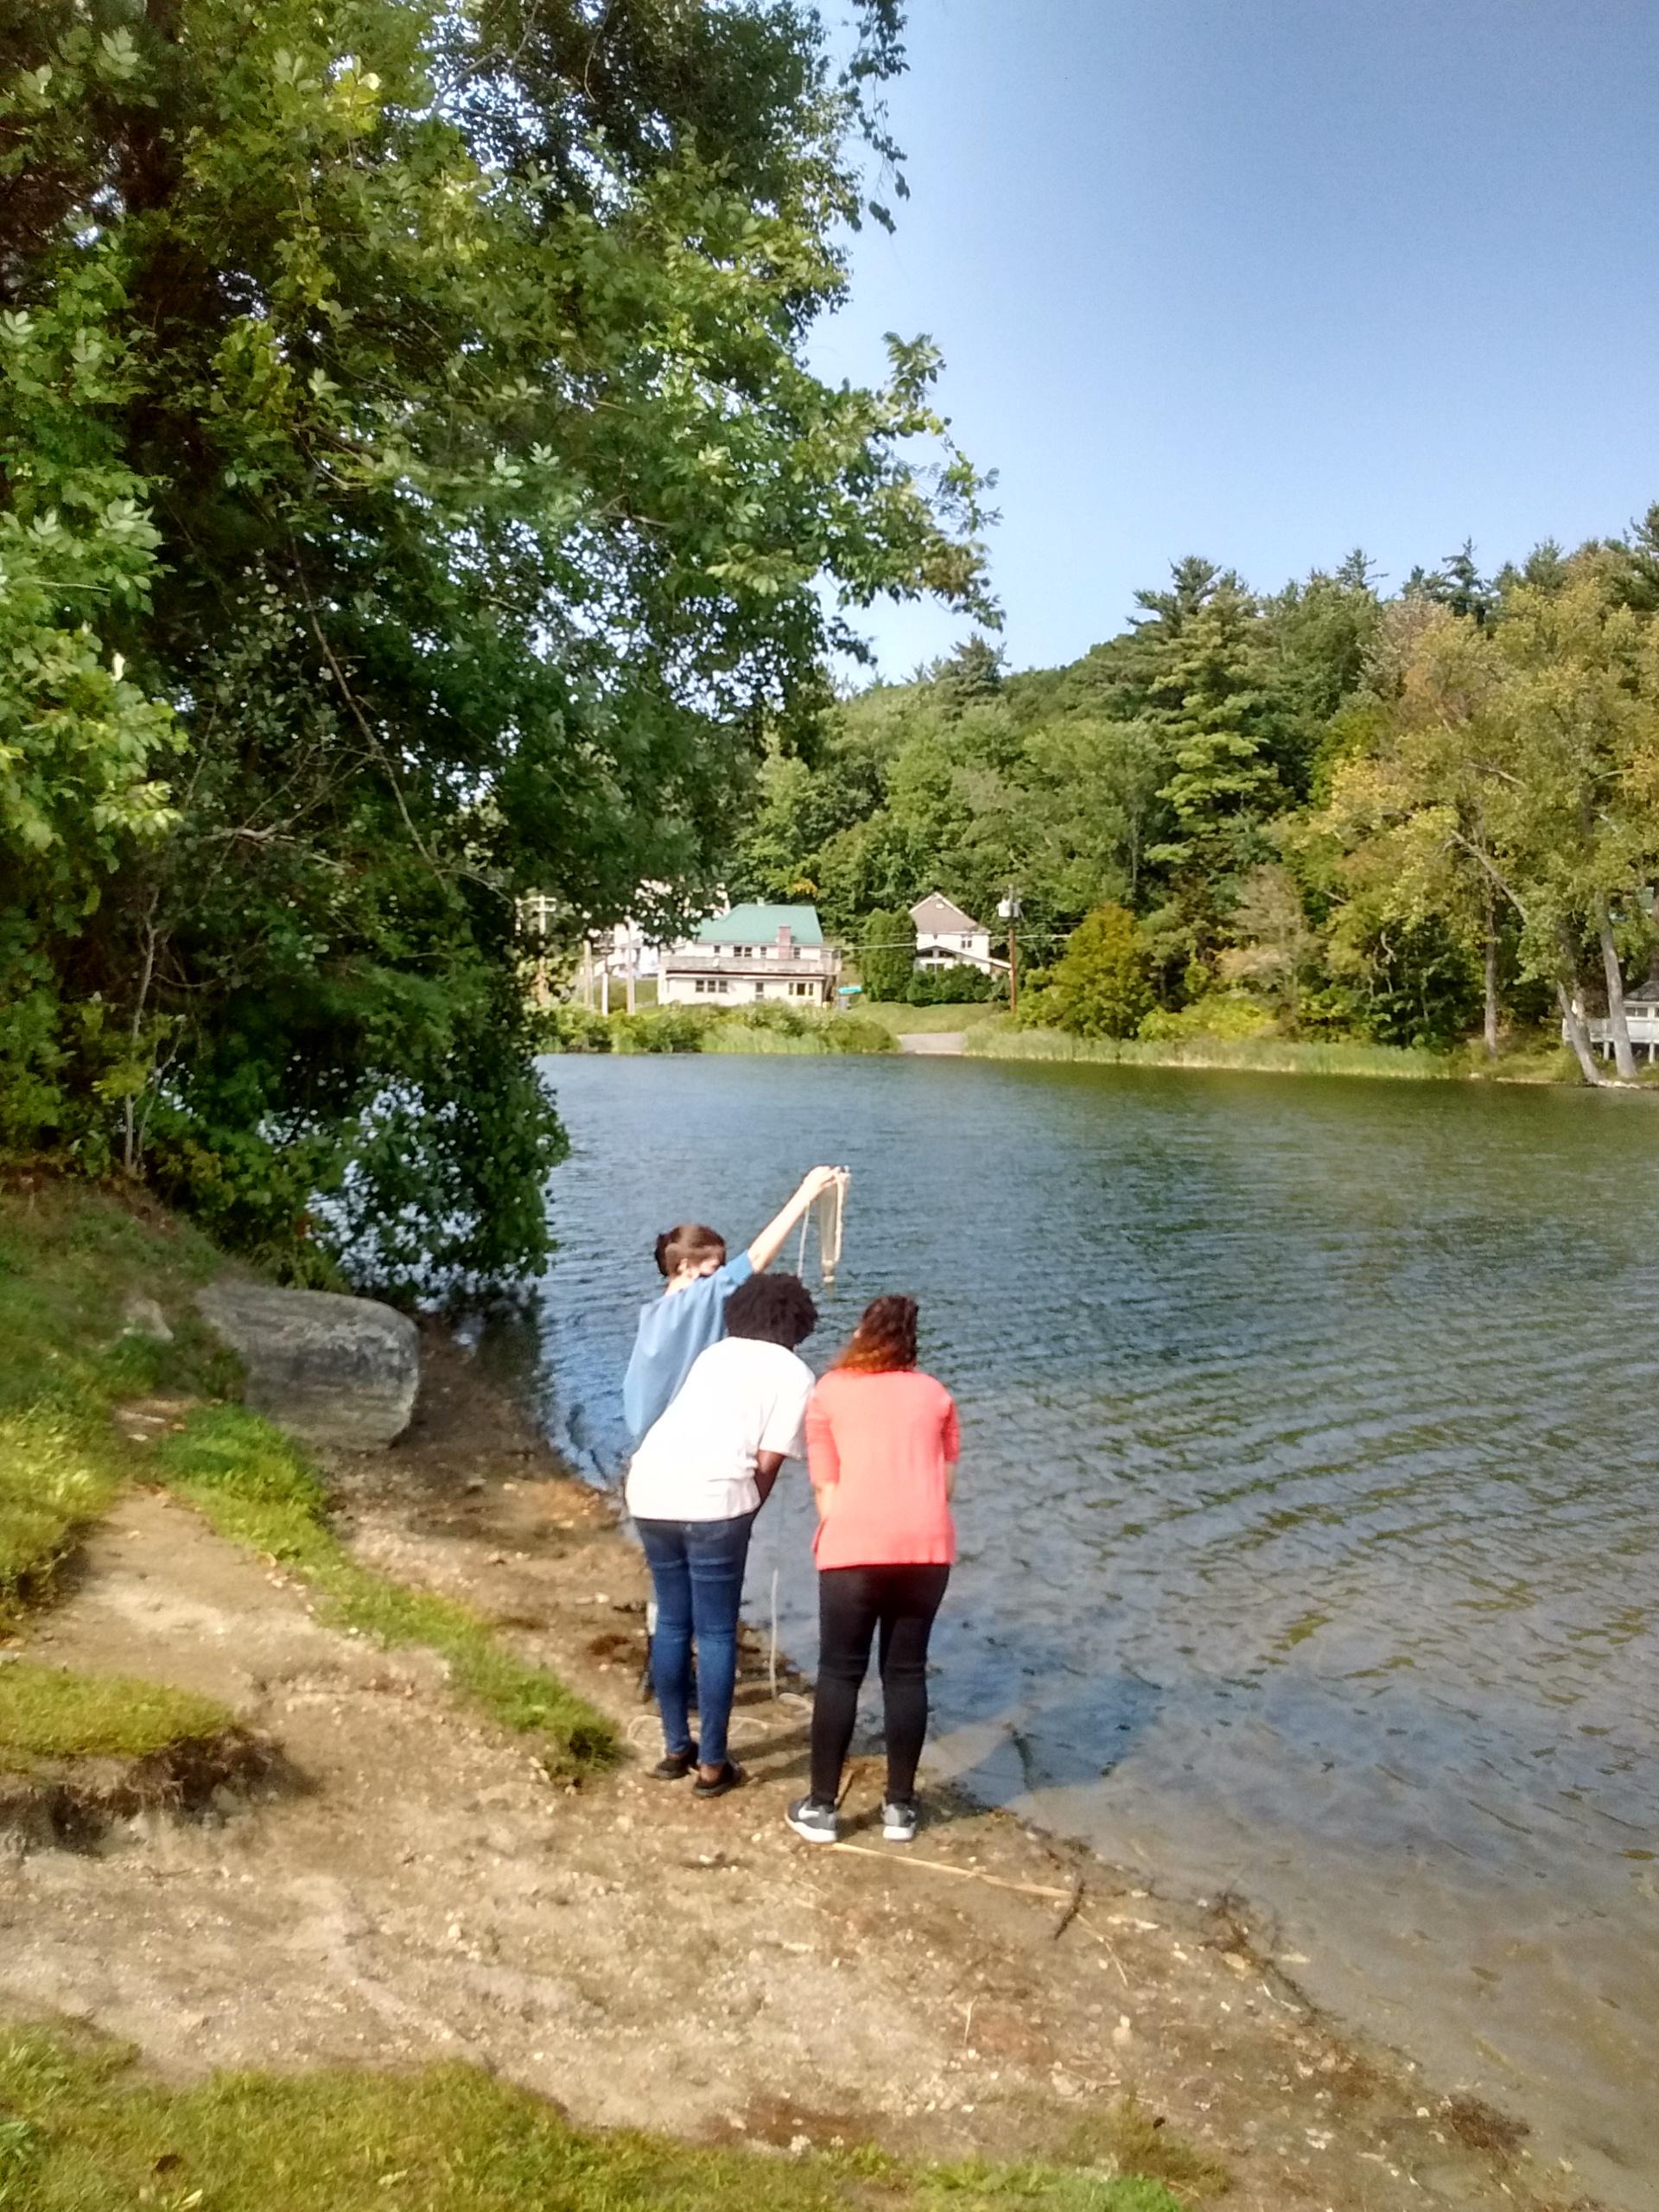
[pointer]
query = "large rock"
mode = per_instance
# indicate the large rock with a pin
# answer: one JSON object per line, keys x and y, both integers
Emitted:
{"x": 339, "y": 1371}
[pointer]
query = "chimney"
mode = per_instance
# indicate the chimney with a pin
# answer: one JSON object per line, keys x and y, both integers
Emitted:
{"x": 783, "y": 941}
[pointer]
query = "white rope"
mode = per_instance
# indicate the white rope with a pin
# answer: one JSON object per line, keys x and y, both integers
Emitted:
{"x": 827, "y": 1213}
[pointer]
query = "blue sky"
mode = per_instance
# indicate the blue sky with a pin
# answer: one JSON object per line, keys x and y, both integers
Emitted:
{"x": 1267, "y": 279}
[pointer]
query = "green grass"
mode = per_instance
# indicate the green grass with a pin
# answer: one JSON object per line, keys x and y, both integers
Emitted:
{"x": 1267, "y": 1055}
{"x": 69, "y": 1256}
{"x": 54, "y": 1479}
{"x": 47, "y": 1712}
{"x": 78, "y": 2132}
{"x": 258, "y": 1489}
{"x": 931, "y": 1020}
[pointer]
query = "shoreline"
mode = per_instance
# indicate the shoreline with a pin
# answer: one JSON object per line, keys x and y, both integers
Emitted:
{"x": 1158, "y": 1950}
{"x": 982, "y": 1037}
{"x": 422, "y": 1888}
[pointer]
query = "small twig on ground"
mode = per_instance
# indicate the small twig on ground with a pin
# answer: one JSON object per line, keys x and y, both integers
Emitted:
{"x": 1106, "y": 1945}
{"x": 963, "y": 1873}
{"x": 1070, "y": 1912}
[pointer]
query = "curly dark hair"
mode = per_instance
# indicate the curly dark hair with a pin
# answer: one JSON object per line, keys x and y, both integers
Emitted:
{"x": 885, "y": 1337}
{"x": 773, "y": 1309}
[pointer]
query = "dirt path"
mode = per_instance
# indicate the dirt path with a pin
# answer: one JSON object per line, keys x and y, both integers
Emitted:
{"x": 636, "y": 1955}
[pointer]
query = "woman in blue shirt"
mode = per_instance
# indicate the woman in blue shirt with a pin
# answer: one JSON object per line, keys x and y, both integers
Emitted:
{"x": 690, "y": 1315}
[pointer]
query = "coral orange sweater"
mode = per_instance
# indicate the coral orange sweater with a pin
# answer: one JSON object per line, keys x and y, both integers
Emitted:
{"x": 877, "y": 1447}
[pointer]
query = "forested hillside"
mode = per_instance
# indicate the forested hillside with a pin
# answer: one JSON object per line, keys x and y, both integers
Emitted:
{"x": 1335, "y": 811}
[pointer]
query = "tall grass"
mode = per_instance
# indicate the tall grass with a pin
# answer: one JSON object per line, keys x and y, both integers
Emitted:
{"x": 1266, "y": 1055}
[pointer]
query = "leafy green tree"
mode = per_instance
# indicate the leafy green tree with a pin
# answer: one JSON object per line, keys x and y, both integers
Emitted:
{"x": 413, "y": 492}
{"x": 1100, "y": 986}
{"x": 887, "y": 958}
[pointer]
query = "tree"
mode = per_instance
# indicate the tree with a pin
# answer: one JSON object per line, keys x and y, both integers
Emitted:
{"x": 887, "y": 958}
{"x": 413, "y": 492}
{"x": 1516, "y": 762}
{"x": 1100, "y": 987}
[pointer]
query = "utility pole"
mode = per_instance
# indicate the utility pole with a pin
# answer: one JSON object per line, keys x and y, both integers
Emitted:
{"x": 1010, "y": 911}
{"x": 629, "y": 948}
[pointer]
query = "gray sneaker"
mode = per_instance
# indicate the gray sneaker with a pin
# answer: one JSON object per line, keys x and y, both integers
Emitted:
{"x": 817, "y": 1823}
{"x": 900, "y": 1822}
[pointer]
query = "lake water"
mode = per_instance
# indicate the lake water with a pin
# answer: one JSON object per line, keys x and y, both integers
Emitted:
{"x": 1309, "y": 1503}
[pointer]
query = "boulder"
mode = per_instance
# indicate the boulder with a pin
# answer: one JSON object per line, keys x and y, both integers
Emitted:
{"x": 332, "y": 1371}
{"x": 143, "y": 1317}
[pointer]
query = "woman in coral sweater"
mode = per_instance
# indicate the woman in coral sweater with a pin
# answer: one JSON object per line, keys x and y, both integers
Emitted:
{"x": 881, "y": 1448}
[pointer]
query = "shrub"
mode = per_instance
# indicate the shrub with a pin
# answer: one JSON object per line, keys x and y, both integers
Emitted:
{"x": 887, "y": 957}
{"x": 857, "y": 1032}
{"x": 1100, "y": 986}
{"x": 1221, "y": 1013}
{"x": 666, "y": 1029}
{"x": 572, "y": 1029}
{"x": 962, "y": 985}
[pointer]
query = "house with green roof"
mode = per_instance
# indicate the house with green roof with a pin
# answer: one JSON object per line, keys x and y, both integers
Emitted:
{"x": 751, "y": 953}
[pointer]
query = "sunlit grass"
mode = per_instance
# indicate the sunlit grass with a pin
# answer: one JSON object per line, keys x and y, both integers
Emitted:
{"x": 1264, "y": 1055}
{"x": 70, "y": 1257}
{"x": 259, "y": 1489}
{"x": 51, "y": 1713}
{"x": 79, "y": 2133}
{"x": 926, "y": 1020}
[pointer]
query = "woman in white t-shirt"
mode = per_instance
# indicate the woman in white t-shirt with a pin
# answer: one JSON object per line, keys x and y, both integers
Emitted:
{"x": 703, "y": 1471}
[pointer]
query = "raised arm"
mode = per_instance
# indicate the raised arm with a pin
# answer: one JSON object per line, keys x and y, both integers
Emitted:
{"x": 769, "y": 1243}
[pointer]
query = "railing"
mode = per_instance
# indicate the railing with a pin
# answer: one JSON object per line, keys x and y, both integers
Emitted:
{"x": 1644, "y": 1029}
{"x": 815, "y": 962}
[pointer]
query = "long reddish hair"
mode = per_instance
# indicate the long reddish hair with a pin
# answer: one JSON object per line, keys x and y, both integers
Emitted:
{"x": 885, "y": 1337}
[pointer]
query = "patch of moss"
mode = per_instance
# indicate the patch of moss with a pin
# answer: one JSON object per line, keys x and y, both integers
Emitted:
{"x": 79, "y": 2133}
{"x": 51, "y": 1713}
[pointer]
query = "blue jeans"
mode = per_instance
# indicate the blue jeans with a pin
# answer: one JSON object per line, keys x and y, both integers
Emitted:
{"x": 697, "y": 1567}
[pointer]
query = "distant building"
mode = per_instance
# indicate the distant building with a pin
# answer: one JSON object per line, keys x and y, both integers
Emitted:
{"x": 753, "y": 952}
{"x": 618, "y": 956}
{"x": 946, "y": 938}
{"x": 1641, "y": 1020}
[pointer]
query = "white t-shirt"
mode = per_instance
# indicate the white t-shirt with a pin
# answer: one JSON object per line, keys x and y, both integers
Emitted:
{"x": 696, "y": 1461}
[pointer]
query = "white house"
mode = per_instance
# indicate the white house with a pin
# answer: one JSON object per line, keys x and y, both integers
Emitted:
{"x": 946, "y": 938}
{"x": 753, "y": 952}
{"x": 1641, "y": 1020}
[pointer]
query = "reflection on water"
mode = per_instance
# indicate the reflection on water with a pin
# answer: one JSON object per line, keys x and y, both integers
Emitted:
{"x": 1310, "y": 1533}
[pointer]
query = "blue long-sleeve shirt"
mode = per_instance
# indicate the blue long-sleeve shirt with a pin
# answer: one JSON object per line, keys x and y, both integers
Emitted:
{"x": 673, "y": 1330}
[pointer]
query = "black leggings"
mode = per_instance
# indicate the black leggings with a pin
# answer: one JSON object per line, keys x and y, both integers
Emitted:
{"x": 853, "y": 1603}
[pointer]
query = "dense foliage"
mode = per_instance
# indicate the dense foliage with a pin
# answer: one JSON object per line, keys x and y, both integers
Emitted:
{"x": 886, "y": 952}
{"x": 412, "y": 494}
{"x": 1327, "y": 812}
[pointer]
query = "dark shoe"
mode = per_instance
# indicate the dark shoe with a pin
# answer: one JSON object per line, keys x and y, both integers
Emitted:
{"x": 674, "y": 1766}
{"x": 900, "y": 1818}
{"x": 817, "y": 1823}
{"x": 729, "y": 1777}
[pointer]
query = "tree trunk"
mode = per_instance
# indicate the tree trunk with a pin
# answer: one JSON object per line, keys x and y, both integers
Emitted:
{"x": 1491, "y": 975}
{"x": 1623, "y": 1058}
{"x": 1577, "y": 1035}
